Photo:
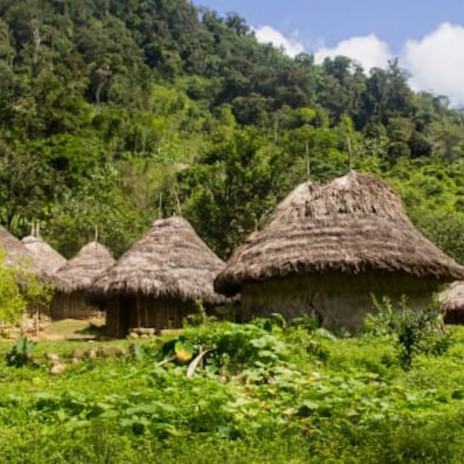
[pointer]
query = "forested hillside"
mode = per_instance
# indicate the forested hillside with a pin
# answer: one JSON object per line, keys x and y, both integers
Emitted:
{"x": 115, "y": 111}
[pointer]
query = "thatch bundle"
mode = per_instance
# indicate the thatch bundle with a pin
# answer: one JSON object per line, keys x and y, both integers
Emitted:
{"x": 46, "y": 256}
{"x": 169, "y": 262}
{"x": 79, "y": 272}
{"x": 452, "y": 299}
{"x": 352, "y": 225}
{"x": 452, "y": 303}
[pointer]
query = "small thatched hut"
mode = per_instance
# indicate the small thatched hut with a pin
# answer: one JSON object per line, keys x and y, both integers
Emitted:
{"x": 17, "y": 254}
{"x": 452, "y": 303}
{"x": 156, "y": 283}
{"x": 46, "y": 256}
{"x": 77, "y": 275}
{"x": 328, "y": 247}
{"x": 15, "y": 251}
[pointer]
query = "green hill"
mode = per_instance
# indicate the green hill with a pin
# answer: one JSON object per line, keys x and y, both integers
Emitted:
{"x": 114, "y": 111}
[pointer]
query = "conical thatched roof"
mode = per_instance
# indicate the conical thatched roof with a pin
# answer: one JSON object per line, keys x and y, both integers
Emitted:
{"x": 14, "y": 249}
{"x": 353, "y": 224}
{"x": 170, "y": 261}
{"x": 47, "y": 257}
{"x": 452, "y": 299}
{"x": 18, "y": 254}
{"x": 79, "y": 272}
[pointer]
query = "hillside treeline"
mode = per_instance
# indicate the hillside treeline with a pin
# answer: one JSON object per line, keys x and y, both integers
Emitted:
{"x": 113, "y": 112}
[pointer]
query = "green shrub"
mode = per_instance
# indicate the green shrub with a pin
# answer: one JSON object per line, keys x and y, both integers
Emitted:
{"x": 12, "y": 301}
{"x": 20, "y": 290}
{"x": 414, "y": 331}
{"x": 21, "y": 353}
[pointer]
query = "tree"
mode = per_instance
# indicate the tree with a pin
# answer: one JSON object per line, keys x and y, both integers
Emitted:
{"x": 98, "y": 206}
{"x": 388, "y": 94}
{"x": 445, "y": 229}
{"x": 27, "y": 186}
{"x": 226, "y": 196}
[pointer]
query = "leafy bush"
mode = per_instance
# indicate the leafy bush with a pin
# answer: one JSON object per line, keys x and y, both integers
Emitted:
{"x": 199, "y": 316}
{"x": 21, "y": 290}
{"x": 21, "y": 353}
{"x": 233, "y": 347}
{"x": 414, "y": 331}
{"x": 12, "y": 302}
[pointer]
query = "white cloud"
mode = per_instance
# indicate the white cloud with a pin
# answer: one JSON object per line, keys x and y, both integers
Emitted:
{"x": 369, "y": 51}
{"x": 267, "y": 34}
{"x": 436, "y": 62}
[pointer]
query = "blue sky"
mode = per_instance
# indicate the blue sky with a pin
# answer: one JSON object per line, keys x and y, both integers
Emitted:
{"x": 427, "y": 35}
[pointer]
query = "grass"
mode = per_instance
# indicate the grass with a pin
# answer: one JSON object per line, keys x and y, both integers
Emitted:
{"x": 71, "y": 329}
{"x": 263, "y": 395}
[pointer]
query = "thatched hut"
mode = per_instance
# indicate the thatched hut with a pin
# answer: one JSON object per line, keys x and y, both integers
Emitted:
{"x": 15, "y": 251}
{"x": 17, "y": 254}
{"x": 156, "y": 283}
{"x": 328, "y": 247}
{"x": 452, "y": 303}
{"x": 77, "y": 275}
{"x": 43, "y": 254}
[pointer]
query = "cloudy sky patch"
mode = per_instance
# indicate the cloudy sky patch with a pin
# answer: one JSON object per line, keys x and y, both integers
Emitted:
{"x": 267, "y": 34}
{"x": 434, "y": 62}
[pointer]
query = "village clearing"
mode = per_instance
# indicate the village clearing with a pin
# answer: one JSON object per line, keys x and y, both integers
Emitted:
{"x": 263, "y": 392}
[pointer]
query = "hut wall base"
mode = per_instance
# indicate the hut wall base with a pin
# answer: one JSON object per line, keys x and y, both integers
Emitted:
{"x": 72, "y": 306}
{"x": 334, "y": 300}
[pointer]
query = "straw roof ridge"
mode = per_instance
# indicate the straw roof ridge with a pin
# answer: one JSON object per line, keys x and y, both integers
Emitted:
{"x": 353, "y": 194}
{"x": 46, "y": 256}
{"x": 452, "y": 299}
{"x": 353, "y": 224}
{"x": 89, "y": 263}
{"x": 170, "y": 261}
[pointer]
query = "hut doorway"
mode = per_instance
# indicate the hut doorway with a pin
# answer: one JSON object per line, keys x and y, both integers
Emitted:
{"x": 124, "y": 315}
{"x": 149, "y": 312}
{"x": 454, "y": 317}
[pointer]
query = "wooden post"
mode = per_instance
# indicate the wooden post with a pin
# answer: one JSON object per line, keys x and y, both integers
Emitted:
{"x": 147, "y": 322}
{"x": 308, "y": 162}
{"x": 350, "y": 154}
{"x": 160, "y": 207}
{"x": 179, "y": 209}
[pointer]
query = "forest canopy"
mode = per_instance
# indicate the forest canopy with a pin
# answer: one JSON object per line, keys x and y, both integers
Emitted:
{"x": 113, "y": 112}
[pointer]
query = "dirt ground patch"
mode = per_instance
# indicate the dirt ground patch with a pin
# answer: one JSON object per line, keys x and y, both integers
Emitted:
{"x": 72, "y": 329}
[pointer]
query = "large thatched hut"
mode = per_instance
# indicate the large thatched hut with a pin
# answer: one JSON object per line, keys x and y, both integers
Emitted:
{"x": 77, "y": 275}
{"x": 156, "y": 283}
{"x": 328, "y": 247}
{"x": 43, "y": 254}
{"x": 452, "y": 303}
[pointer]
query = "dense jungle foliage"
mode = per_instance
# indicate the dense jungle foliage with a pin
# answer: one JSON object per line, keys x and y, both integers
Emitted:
{"x": 115, "y": 111}
{"x": 264, "y": 392}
